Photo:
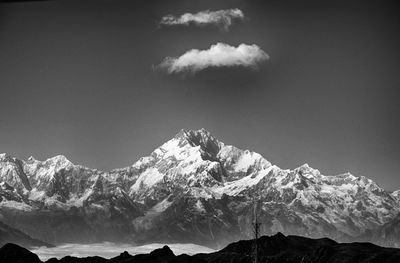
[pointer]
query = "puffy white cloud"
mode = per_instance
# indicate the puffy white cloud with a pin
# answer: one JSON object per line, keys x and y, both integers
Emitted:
{"x": 218, "y": 55}
{"x": 221, "y": 18}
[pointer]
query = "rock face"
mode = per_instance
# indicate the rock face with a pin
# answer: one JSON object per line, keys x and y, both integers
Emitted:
{"x": 396, "y": 195}
{"x": 274, "y": 249}
{"x": 9, "y": 234}
{"x": 193, "y": 188}
{"x": 388, "y": 234}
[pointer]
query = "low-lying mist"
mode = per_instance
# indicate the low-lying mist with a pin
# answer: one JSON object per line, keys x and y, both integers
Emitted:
{"x": 109, "y": 250}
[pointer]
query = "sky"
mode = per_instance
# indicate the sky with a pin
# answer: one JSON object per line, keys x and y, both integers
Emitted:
{"x": 104, "y": 82}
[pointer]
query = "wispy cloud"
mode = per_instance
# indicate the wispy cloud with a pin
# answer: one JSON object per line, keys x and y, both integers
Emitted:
{"x": 221, "y": 18}
{"x": 218, "y": 55}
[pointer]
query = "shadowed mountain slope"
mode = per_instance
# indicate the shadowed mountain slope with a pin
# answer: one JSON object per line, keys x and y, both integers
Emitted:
{"x": 9, "y": 234}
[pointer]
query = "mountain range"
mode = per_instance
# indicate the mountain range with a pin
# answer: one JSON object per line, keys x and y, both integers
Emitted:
{"x": 272, "y": 249}
{"x": 192, "y": 189}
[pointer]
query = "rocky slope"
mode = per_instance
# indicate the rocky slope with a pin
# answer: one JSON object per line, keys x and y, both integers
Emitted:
{"x": 194, "y": 189}
{"x": 273, "y": 249}
{"x": 396, "y": 195}
{"x": 388, "y": 234}
{"x": 9, "y": 234}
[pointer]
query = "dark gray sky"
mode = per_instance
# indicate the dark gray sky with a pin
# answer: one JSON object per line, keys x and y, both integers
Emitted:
{"x": 76, "y": 78}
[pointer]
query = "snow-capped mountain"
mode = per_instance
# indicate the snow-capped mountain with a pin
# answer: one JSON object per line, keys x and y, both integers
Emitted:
{"x": 193, "y": 188}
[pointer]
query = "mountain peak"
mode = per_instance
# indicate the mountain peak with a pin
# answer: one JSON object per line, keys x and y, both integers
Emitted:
{"x": 59, "y": 161}
{"x": 307, "y": 171}
{"x": 203, "y": 138}
{"x": 185, "y": 133}
{"x": 31, "y": 159}
{"x": 4, "y": 156}
{"x": 396, "y": 194}
{"x": 304, "y": 166}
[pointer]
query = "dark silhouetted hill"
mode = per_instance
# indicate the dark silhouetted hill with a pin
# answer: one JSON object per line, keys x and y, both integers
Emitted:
{"x": 273, "y": 249}
{"x": 11, "y": 253}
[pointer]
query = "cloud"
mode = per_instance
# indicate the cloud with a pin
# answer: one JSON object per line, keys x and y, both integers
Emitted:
{"x": 221, "y": 18}
{"x": 109, "y": 250}
{"x": 218, "y": 55}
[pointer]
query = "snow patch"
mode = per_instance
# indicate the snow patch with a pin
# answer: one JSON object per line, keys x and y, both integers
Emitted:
{"x": 147, "y": 179}
{"x": 16, "y": 205}
{"x": 238, "y": 186}
{"x": 162, "y": 206}
{"x": 199, "y": 206}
